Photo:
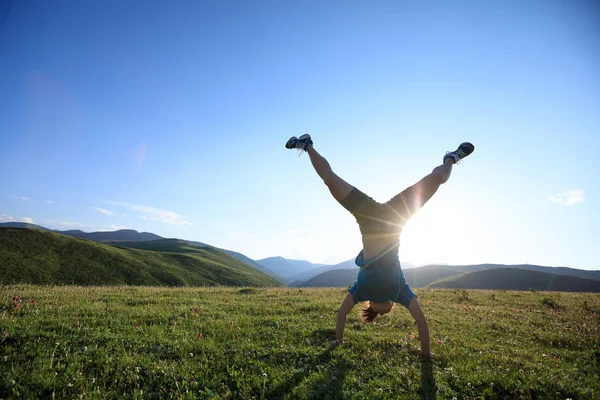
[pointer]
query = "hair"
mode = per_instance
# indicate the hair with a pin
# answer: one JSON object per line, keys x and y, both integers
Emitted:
{"x": 368, "y": 314}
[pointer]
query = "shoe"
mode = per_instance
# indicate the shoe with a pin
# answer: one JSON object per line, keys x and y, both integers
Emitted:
{"x": 299, "y": 143}
{"x": 463, "y": 150}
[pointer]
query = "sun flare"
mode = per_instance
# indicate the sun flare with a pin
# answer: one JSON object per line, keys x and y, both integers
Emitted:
{"x": 434, "y": 235}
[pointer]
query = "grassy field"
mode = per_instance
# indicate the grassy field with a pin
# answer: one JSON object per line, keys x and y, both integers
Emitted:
{"x": 254, "y": 343}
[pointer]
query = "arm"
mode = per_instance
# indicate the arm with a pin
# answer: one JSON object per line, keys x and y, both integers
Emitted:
{"x": 417, "y": 313}
{"x": 345, "y": 308}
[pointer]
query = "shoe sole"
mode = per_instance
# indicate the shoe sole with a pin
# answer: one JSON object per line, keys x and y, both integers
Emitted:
{"x": 291, "y": 143}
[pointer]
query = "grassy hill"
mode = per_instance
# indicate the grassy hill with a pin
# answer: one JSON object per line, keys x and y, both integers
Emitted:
{"x": 123, "y": 236}
{"x": 42, "y": 257}
{"x": 274, "y": 343}
{"x": 187, "y": 246}
{"x": 517, "y": 279}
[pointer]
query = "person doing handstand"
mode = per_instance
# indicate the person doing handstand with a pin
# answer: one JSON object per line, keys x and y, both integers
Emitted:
{"x": 380, "y": 279}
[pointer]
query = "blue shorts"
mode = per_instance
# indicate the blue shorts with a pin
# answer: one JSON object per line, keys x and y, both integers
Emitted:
{"x": 381, "y": 279}
{"x": 404, "y": 295}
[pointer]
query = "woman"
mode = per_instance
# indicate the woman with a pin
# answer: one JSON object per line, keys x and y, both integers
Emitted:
{"x": 380, "y": 278}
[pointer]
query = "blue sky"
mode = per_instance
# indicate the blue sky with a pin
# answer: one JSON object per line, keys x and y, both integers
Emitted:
{"x": 171, "y": 117}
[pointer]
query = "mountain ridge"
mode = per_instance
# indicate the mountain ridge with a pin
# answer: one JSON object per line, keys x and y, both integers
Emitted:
{"x": 43, "y": 257}
{"x": 517, "y": 279}
{"x": 303, "y": 273}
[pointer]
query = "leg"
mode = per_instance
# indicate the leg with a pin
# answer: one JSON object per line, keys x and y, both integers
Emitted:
{"x": 413, "y": 198}
{"x": 338, "y": 187}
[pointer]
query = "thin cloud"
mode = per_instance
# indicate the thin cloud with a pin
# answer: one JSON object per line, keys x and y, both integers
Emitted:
{"x": 6, "y": 218}
{"x": 17, "y": 197}
{"x": 49, "y": 202}
{"x": 154, "y": 214}
{"x": 28, "y": 220}
{"x": 245, "y": 236}
{"x": 298, "y": 234}
{"x": 118, "y": 227}
{"x": 68, "y": 224}
{"x": 103, "y": 211}
{"x": 568, "y": 197}
{"x": 140, "y": 156}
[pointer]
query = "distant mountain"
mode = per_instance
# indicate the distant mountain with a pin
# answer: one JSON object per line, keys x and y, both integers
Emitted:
{"x": 280, "y": 266}
{"x": 580, "y": 273}
{"x": 249, "y": 261}
{"x": 416, "y": 277}
{"x": 517, "y": 279}
{"x": 302, "y": 278}
{"x": 108, "y": 236}
{"x": 43, "y": 257}
{"x": 122, "y": 235}
{"x": 304, "y": 265}
{"x": 423, "y": 276}
{"x": 299, "y": 279}
{"x": 333, "y": 278}
{"x": 448, "y": 275}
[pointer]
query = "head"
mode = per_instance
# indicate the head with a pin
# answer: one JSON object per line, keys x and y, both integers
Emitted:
{"x": 375, "y": 308}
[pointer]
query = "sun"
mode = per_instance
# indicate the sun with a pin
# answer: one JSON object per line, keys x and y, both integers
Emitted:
{"x": 430, "y": 236}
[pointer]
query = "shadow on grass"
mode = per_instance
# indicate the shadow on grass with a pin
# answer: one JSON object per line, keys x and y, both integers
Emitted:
{"x": 428, "y": 389}
{"x": 327, "y": 370}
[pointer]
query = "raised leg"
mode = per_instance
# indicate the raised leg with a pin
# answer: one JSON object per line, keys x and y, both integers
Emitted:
{"x": 410, "y": 200}
{"x": 338, "y": 187}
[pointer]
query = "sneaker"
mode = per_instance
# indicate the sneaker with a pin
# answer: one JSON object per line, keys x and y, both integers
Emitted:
{"x": 291, "y": 144}
{"x": 463, "y": 150}
{"x": 299, "y": 143}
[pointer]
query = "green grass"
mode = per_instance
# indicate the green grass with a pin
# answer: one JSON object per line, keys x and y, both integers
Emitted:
{"x": 255, "y": 343}
{"x": 40, "y": 257}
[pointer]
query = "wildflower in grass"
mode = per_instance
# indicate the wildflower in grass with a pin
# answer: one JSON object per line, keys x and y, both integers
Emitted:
{"x": 410, "y": 335}
{"x": 230, "y": 323}
{"x": 200, "y": 335}
{"x": 17, "y": 300}
{"x": 439, "y": 341}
